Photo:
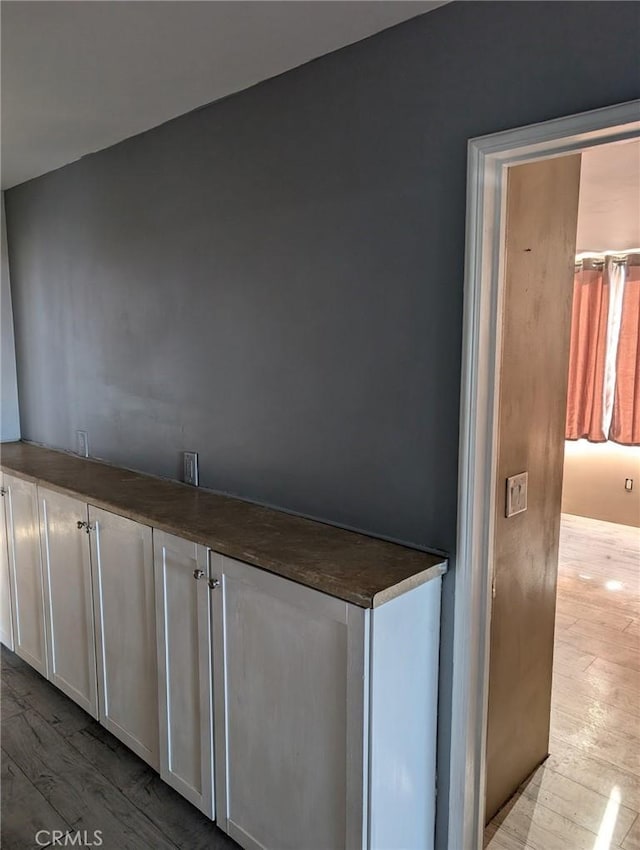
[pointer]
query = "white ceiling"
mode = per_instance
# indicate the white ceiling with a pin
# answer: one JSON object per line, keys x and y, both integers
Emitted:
{"x": 80, "y": 76}
{"x": 609, "y": 207}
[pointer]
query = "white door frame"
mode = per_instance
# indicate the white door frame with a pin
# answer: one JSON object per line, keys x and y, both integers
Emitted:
{"x": 488, "y": 160}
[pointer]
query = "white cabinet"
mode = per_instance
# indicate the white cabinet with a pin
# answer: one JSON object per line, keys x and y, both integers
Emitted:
{"x": 323, "y": 713}
{"x": 290, "y": 684}
{"x": 326, "y": 714}
{"x": 124, "y": 605}
{"x": 184, "y": 668}
{"x": 6, "y": 616}
{"x": 68, "y": 597}
{"x": 21, "y": 505}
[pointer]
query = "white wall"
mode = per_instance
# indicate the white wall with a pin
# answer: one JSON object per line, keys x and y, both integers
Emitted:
{"x": 593, "y": 485}
{"x": 9, "y": 415}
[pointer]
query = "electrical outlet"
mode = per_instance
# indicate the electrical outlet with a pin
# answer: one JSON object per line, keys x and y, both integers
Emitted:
{"x": 82, "y": 443}
{"x": 190, "y": 468}
{"x": 517, "y": 494}
{"x": 628, "y": 484}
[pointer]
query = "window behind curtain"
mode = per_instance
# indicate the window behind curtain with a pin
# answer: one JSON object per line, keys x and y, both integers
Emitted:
{"x": 603, "y": 400}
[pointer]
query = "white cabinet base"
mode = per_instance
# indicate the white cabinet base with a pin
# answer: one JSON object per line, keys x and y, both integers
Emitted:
{"x": 68, "y": 597}
{"x": 6, "y": 613}
{"x": 124, "y": 604}
{"x": 325, "y": 715}
{"x": 290, "y": 690}
{"x": 21, "y": 505}
{"x": 184, "y": 668}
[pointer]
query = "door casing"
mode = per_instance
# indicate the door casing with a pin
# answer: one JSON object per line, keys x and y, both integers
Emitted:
{"x": 489, "y": 157}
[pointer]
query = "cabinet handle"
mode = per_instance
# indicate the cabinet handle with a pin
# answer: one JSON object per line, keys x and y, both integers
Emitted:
{"x": 197, "y": 574}
{"x": 213, "y": 583}
{"x": 3, "y": 491}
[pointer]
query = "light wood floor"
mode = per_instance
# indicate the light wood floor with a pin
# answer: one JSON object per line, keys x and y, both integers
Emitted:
{"x": 587, "y": 794}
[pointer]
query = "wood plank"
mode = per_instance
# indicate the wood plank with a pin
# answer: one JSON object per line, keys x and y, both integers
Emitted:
{"x": 575, "y": 801}
{"x": 533, "y": 823}
{"x": 10, "y": 702}
{"x": 24, "y": 810}
{"x": 500, "y": 839}
{"x": 633, "y": 629}
{"x": 619, "y": 653}
{"x": 595, "y": 594}
{"x": 570, "y": 659}
{"x": 573, "y": 605}
{"x": 575, "y": 632}
{"x": 574, "y": 692}
{"x": 72, "y": 785}
{"x": 113, "y": 759}
{"x": 179, "y": 821}
{"x": 563, "y": 621}
{"x": 608, "y": 671}
{"x": 52, "y": 705}
{"x": 603, "y": 743}
{"x": 598, "y": 774}
{"x": 632, "y": 840}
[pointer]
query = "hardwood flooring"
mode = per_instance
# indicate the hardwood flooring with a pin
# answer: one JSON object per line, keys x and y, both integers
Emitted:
{"x": 62, "y": 771}
{"x": 586, "y": 796}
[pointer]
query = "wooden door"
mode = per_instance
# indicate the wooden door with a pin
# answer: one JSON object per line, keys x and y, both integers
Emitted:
{"x": 23, "y": 532}
{"x": 6, "y": 616}
{"x": 288, "y": 681}
{"x": 185, "y": 689}
{"x": 542, "y": 205}
{"x": 124, "y": 605}
{"x": 68, "y": 597}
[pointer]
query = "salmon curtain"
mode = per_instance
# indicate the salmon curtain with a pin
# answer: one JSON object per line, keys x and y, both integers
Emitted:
{"x": 587, "y": 353}
{"x": 625, "y": 423}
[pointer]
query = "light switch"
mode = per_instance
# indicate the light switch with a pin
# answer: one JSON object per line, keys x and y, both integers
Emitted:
{"x": 516, "y": 494}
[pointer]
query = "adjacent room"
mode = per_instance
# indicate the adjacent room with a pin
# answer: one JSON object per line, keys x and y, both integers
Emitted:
{"x": 589, "y": 786}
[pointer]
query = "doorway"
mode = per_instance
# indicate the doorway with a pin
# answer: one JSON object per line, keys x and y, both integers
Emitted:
{"x": 587, "y": 793}
{"x": 489, "y": 161}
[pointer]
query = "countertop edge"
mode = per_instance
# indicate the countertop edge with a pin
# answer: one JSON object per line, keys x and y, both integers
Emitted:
{"x": 401, "y": 587}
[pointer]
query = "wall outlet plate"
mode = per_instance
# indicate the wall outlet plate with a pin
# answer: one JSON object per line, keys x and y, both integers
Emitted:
{"x": 82, "y": 443}
{"x": 517, "y": 494}
{"x": 190, "y": 468}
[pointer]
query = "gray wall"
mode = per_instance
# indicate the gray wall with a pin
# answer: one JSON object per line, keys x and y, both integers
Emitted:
{"x": 9, "y": 415}
{"x": 276, "y": 280}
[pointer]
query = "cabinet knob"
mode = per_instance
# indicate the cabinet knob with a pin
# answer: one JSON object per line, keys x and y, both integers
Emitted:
{"x": 197, "y": 574}
{"x": 3, "y": 491}
{"x": 213, "y": 583}
{"x": 82, "y": 524}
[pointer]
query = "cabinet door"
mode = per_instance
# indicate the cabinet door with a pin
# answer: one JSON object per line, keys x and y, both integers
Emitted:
{"x": 290, "y": 681}
{"x": 184, "y": 668}
{"x": 21, "y": 504}
{"x": 6, "y": 616}
{"x": 68, "y": 597}
{"x": 124, "y": 604}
